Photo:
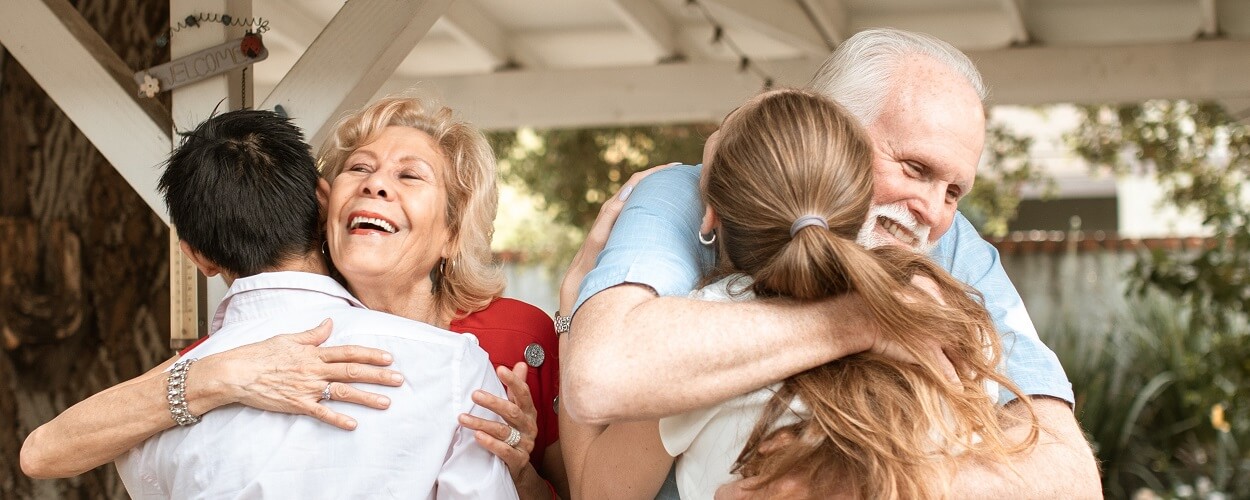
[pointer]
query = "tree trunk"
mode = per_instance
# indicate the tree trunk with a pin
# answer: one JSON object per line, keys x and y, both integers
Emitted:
{"x": 83, "y": 261}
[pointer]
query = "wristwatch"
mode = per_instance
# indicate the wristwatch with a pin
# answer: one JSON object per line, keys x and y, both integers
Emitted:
{"x": 562, "y": 323}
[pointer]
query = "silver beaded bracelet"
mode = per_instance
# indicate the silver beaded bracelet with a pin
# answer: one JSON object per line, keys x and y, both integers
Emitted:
{"x": 178, "y": 393}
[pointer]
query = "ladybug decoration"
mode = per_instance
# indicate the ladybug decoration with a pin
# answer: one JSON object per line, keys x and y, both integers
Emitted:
{"x": 251, "y": 45}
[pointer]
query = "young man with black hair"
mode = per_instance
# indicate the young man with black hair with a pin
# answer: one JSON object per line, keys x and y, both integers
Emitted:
{"x": 241, "y": 190}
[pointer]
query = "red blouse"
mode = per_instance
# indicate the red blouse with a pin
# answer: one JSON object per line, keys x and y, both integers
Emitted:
{"x": 506, "y": 330}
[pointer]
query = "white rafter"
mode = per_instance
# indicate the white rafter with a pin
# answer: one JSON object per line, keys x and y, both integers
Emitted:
{"x": 474, "y": 28}
{"x": 92, "y": 86}
{"x": 782, "y": 21}
{"x": 646, "y": 20}
{"x": 1015, "y": 20}
{"x": 354, "y": 55}
{"x": 706, "y": 91}
{"x": 830, "y": 17}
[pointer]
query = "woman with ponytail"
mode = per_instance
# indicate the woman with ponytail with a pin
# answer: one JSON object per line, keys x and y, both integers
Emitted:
{"x": 787, "y": 190}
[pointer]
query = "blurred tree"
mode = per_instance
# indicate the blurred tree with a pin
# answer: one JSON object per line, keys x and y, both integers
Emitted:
{"x": 1005, "y": 170}
{"x": 1201, "y": 158}
{"x": 1190, "y": 425}
{"x": 576, "y": 170}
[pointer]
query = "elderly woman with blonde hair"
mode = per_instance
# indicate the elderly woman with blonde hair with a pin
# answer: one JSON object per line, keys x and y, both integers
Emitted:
{"x": 410, "y": 197}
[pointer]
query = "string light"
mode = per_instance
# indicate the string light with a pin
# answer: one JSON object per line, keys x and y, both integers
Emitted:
{"x": 719, "y": 35}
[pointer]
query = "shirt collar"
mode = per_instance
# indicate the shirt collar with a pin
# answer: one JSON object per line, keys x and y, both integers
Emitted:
{"x": 320, "y": 289}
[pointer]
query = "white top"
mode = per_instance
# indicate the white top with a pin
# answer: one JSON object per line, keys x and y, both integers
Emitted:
{"x": 414, "y": 449}
{"x": 708, "y": 441}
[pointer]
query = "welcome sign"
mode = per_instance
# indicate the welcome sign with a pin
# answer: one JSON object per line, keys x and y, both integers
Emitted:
{"x": 200, "y": 65}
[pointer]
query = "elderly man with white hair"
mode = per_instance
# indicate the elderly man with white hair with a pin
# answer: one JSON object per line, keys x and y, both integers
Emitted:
{"x": 638, "y": 349}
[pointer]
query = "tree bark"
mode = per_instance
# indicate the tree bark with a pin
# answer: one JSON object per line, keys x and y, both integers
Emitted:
{"x": 83, "y": 261}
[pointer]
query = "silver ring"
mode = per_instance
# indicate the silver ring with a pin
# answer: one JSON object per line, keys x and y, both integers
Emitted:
{"x": 514, "y": 437}
{"x": 325, "y": 393}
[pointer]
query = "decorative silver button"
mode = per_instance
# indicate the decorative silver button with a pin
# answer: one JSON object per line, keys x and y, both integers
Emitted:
{"x": 535, "y": 355}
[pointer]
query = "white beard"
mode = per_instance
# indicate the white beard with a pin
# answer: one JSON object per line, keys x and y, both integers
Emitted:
{"x": 870, "y": 238}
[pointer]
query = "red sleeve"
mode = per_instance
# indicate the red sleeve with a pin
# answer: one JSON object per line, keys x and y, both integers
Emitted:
{"x": 505, "y": 330}
{"x": 187, "y": 349}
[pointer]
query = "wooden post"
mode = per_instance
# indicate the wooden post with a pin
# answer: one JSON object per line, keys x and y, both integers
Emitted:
{"x": 192, "y": 297}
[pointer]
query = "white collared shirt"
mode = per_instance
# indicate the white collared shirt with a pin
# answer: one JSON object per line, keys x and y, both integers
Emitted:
{"x": 414, "y": 449}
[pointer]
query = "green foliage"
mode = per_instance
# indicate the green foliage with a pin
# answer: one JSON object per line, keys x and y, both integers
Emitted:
{"x": 1201, "y": 158}
{"x": 576, "y": 170}
{"x": 995, "y": 196}
{"x": 1167, "y": 407}
{"x": 1162, "y": 402}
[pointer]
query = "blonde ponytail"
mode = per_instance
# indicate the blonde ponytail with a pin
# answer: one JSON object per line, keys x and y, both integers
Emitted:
{"x": 888, "y": 427}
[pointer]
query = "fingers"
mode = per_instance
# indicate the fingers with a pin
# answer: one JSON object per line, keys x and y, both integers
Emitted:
{"x": 518, "y": 390}
{"x": 944, "y": 364}
{"x": 350, "y": 394}
{"x": 515, "y": 458}
{"x": 315, "y": 336}
{"x": 355, "y": 354}
{"x": 492, "y": 435}
{"x": 324, "y": 414}
{"x": 512, "y": 413}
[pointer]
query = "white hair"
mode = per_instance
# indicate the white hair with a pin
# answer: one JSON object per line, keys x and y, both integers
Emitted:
{"x": 858, "y": 74}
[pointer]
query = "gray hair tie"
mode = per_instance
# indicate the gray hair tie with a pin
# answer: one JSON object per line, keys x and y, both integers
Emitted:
{"x": 807, "y": 220}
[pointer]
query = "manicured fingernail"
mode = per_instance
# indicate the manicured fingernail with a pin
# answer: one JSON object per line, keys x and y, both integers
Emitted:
{"x": 387, "y": 357}
{"x": 384, "y": 401}
{"x": 625, "y": 192}
{"x": 351, "y": 424}
{"x": 464, "y": 419}
{"x": 397, "y": 378}
{"x": 324, "y": 321}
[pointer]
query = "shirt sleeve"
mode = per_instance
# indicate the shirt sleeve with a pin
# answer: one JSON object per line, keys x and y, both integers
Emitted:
{"x": 655, "y": 240}
{"x": 1031, "y": 365}
{"x": 471, "y": 471}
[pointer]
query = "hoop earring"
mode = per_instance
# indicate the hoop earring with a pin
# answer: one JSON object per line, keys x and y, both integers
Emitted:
{"x": 708, "y": 240}
{"x": 325, "y": 248}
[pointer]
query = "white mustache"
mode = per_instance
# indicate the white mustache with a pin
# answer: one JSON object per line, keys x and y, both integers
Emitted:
{"x": 900, "y": 216}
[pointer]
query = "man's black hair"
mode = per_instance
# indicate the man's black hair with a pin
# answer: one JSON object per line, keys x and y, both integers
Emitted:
{"x": 242, "y": 191}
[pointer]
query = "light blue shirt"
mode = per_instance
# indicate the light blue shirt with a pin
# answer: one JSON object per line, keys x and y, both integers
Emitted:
{"x": 655, "y": 243}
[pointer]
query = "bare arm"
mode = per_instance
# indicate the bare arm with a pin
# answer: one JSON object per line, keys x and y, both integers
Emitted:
{"x": 695, "y": 353}
{"x": 285, "y": 373}
{"x": 622, "y": 460}
{"x": 1060, "y": 466}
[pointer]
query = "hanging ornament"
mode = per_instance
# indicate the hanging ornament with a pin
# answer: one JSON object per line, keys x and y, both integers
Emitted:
{"x": 150, "y": 86}
{"x": 212, "y": 61}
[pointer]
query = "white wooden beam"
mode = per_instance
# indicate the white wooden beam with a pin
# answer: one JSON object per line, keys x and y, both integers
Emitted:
{"x": 1209, "y": 69}
{"x": 1213, "y": 69}
{"x": 355, "y": 54}
{"x": 830, "y": 17}
{"x": 782, "y": 21}
{"x": 471, "y": 26}
{"x": 1015, "y": 20}
{"x": 92, "y": 86}
{"x": 1210, "y": 27}
{"x": 646, "y": 20}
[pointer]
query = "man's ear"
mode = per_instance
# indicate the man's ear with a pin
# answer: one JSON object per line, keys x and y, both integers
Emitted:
{"x": 710, "y": 220}
{"x": 206, "y": 266}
